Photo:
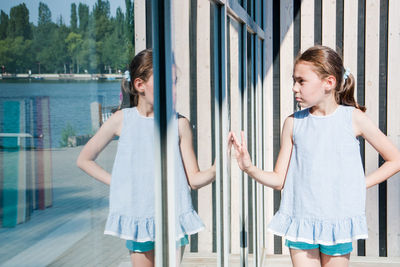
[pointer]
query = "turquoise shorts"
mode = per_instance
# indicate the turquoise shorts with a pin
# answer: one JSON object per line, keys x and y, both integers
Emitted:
{"x": 147, "y": 246}
{"x": 333, "y": 250}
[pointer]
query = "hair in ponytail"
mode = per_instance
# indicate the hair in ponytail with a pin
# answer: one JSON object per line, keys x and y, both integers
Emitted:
{"x": 141, "y": 67}
{"x": 327, "y": 62}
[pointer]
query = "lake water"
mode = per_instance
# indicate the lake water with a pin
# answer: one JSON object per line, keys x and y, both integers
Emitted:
{"x": 67, "y": 103}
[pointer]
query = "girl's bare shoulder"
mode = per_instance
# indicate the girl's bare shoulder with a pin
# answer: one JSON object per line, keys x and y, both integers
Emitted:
{"x": 360, "y": 121}
{"x": 114, "y": 123}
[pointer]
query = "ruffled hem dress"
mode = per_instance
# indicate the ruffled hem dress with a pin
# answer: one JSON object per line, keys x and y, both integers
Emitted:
{"x": 131, "y": 210}
{"x": 323, "y": 200}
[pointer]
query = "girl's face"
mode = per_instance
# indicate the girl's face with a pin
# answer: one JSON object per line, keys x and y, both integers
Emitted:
{"x": 309, "y": 90}
{"x": 145, "y": 90}
{"x": 148, "y": 93}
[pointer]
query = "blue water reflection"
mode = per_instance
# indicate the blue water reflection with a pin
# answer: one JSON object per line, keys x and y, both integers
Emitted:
{"x": 69, "y": 102}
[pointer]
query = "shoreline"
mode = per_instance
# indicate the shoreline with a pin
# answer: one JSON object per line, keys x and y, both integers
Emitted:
{"x": 49, "y": 76}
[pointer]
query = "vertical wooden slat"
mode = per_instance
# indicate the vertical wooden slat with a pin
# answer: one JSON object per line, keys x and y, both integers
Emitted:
{"x": 383, "y": 59}
{"x": 221, "y": 127}
{"x": 329, "y": 23}
{"x": 393, "y": 127}
{"x": 296, "y": 28}
{"x": 318, "y": 22}
{"x": 234, "y": 29}
{"x": 250, "y": 123}
{"x": 350, "y": 38}
{"x": 286, "y": 65}
{"x": 350, "y": 50}
{"x": 244, "y": 196}
{"x": 204, "y": 121}
{"x": 307, "y": 24}
{"x": 372, "y": 104}
{"x": 181, "y": 51}
{"x": 258, "y": 116}
{"x": 286, "y": 58}
{"x": 193, "y": 100}
{"x": 339, "y": 26}
{"x": 276, "y": 40}
{"x": 184, "y": 60}
{"x": 226, "y": 193}
{"x": 252, "y": 141}
{"x": 268, "y": 122}
{"x": 140, "y": 25}
{"x": 361, "y": 88}
{"x": 213, "y": 82}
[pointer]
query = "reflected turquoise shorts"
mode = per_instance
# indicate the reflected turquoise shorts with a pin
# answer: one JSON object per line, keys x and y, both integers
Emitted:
{"x": 334, "y": 250}
{"x": 147, "y": 246}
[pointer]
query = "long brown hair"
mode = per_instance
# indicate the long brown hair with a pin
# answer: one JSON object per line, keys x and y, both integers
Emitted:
{"x": 327, "y": 62}
{"x": 141, "y": 67}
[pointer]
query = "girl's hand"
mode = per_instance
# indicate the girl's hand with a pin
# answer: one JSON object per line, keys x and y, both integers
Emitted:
{"x": 276, "y": 178}
{"x": 242, "y": 155}
{"x": 366, "y": 128}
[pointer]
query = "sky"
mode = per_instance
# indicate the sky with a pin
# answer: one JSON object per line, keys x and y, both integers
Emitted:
{"x": 57, "y": 7}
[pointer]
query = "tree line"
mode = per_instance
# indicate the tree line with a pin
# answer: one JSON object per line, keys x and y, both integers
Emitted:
{"x": 94, "y": 42}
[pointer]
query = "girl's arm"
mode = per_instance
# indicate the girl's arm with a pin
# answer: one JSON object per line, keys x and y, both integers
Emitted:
{"x": 86, "y": 159}
{"x": 276, "y": 178}
{"x": 196, "y": 178}
{"x": 366, "y": 128}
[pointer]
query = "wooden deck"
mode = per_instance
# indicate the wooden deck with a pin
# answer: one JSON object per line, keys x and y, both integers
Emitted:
{"x": 210, "y": 260}
{"x": 206, "y": 260}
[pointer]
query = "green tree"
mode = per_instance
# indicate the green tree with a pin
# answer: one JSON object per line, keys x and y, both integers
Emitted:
{"x": 101, "y": 19}
{"x": 21, "y": 51}
{"x": 98, "y": 44}
{"x": 44, "y": 15}
{"x": 59, "y": 51}
{"x": 50, "y": 48}
{"x": 74, "y": 18}
{"x": 3, "y": 25}
{"x": 86, "y": 55}
{"x": 6, "y": 56}
{"x": 18, "y": 24}
{"x": 16, "y": 54}
{"x": 100, "y": 26}
{"x": 43, "y": 35}
{"x": 130, "y": 21}
{"x": 119, "y": 23}
{"x": 74, "y": 45}
{"x": 83, "y": 13}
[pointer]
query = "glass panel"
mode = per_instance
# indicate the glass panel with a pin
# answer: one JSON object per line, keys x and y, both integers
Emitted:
{"x": 62, "y": 70}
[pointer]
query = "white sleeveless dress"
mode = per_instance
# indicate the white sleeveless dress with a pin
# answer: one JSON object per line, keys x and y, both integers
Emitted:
{"x": 323, "y": 200}
{"x": 131, "y": 212}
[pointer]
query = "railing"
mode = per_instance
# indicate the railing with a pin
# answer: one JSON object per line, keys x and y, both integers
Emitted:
{"x": 16, "y": 135}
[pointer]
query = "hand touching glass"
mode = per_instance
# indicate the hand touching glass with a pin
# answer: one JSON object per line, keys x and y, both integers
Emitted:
{"x": 242, "y": 155}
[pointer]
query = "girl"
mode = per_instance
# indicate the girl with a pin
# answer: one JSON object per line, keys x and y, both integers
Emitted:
{"x": 319, "y": 166}
{"x": 131, "y": 214}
